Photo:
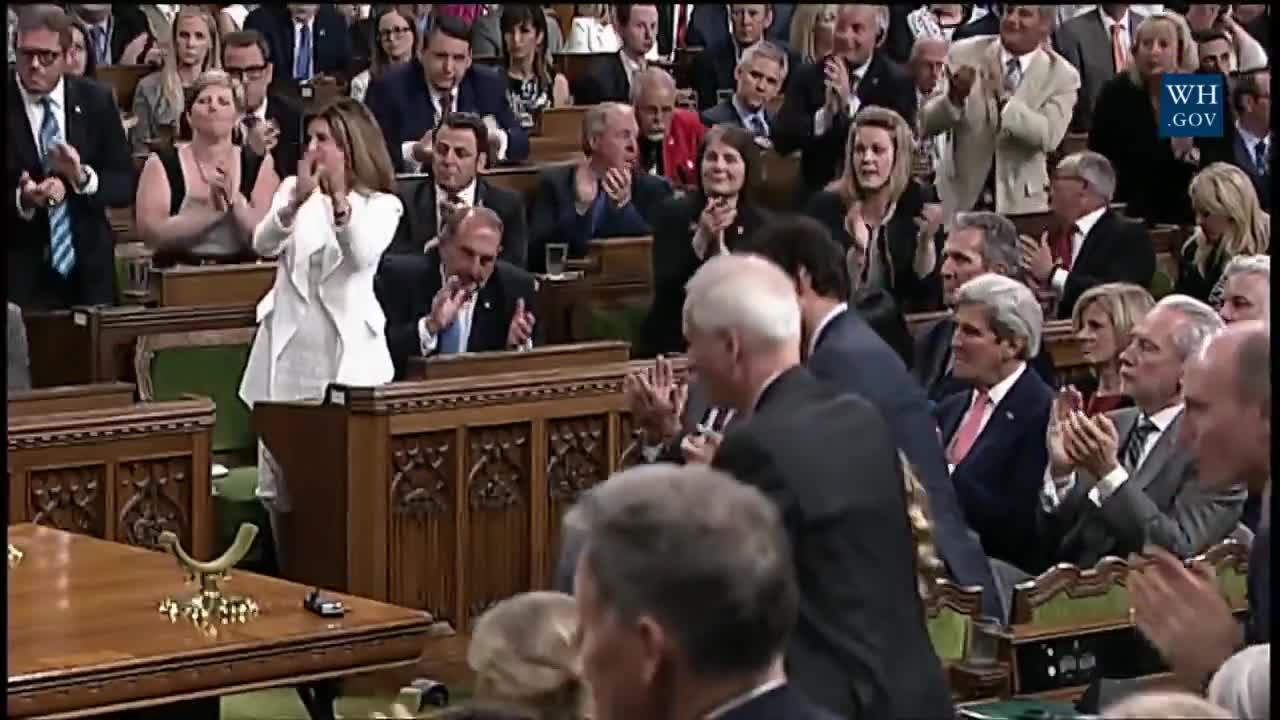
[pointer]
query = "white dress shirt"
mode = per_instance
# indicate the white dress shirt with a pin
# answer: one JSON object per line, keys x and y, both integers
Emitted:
{"x": 995, "y": 395}
{"x": 1024, "y": 62}
{"x": 821, "y": 118}
{"x": 1251, "y": 143}
{"x": 35, "y": 116}
{"x": 631, "y": 67}
{"x": 467, "y": 195}
{"x": 1081, "y": 230}
{"x": 1108, "y": 22}
{"x": 1056, "y": 490}
{"x": 589, "y": 35}
{"x": 429, "y": 340}
{"x": 438, "y": 102}
{"x": 744, "y": 698}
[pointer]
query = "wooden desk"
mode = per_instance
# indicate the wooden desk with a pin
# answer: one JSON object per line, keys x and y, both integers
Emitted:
{"x": 230, "y": 284}
{"x": 85, "y": 636}
{"x": 70, "y": 398}
{"x": 95, "y": 344}
{"x": 123, "y": 80}
{"x": 124, "y": 473}
{"x": 548, "y": 357}
{"x": 616, "y": 272}
{"x": 522, "y": 179}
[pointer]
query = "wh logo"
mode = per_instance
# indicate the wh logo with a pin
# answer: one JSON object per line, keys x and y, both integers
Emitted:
{"x": 1191, "y": 106}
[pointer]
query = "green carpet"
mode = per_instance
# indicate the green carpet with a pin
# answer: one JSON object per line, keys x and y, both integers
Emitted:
{"x": 283, "y": 704}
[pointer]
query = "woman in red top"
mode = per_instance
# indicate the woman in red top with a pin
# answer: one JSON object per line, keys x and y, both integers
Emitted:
{"x": 1103, "y": 319}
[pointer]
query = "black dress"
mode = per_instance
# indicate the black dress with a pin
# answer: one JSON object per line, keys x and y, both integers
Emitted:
{"x": 221, "y": 242}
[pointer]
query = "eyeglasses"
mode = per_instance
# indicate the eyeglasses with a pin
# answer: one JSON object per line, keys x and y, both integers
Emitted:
{"x": 46, "y": 57}
{"x": 253, "y": 73}
{"x": 393, "y": 32}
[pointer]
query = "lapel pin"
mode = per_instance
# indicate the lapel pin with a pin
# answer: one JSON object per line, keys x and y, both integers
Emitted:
{"x": 78, "y": 110}
{"x": 486, "y": 305}
{"x": 320, "y": 33}
{"x": 1008, "y": 415}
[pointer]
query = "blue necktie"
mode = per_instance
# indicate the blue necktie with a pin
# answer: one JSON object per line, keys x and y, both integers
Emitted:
{"x": 1260, "y": 157}
{"x": 98, "y": 36}
{"x": 597, "y": 212}
{"x": 424, "y": 26}
{"x": 62, "y": 252}
{"x": 451, "y": 338}
{"x": 302, "y": 56}
{"x": 758, "y": 127}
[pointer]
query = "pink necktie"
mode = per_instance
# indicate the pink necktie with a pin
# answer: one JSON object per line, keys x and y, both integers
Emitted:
{"x": 970, "y": 426}
{"x": 1119, "y": 53}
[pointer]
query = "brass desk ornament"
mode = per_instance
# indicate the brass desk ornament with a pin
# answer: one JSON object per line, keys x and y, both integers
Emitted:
{"x": 15, "y": 556}
{"x": 209, "y": 606}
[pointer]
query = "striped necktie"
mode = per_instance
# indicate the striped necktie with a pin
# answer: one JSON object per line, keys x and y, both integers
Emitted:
{"x": 302, "y": 62}
{"x": 62, "y": 252}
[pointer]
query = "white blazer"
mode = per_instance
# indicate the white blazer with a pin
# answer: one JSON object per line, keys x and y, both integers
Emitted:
{"x": 589, "y": 35}
{"x": 346, "y": 285}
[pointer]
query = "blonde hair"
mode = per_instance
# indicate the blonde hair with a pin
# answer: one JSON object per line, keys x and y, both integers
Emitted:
{"x": 929, "y": 567}
{"x": 217, "y": 78}
{"x": 356, "y": 131}
{"x": 1188, "y": 56}
{"x": 523, "y": 652}
{"x": 1223, "y": 189}
{"x": 903, "y": 151}
{"x": 1124, "y": 304}
{"x": 803, "y": 22}
{"x": 170, "y": 82}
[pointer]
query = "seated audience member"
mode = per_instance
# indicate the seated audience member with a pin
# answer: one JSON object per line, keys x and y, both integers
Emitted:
{"x": 1163, "y": 704}
{"x": 823, "y": 98}
{"x": 877, "y": 213}
{"x": 609, "y": 79}
{"x": 159, "y": 100}
{"x": 80, "y": 57}
{"x": 994, "y": 434}
{"x": 1246, "y": 289}
{"x": 307, "y": 41}
{"x": 1152, "y": 173}
{"x": 17, "y": 352}
{"x": 1215, "y": 52}
{"x": 711, "y": 612}
{"x": 1091, "y": 243}
{"x": 1243, "y": 684}
{"x": 592, "y": 31}
{"x": 813, "y": 31}
{"x": 118, "y": 34}
{"x": 861, "y": 648}
{"x": 758, "y": 79}
{"x": 939, "y": 21}
{"x": 397, "y": 43}
{"x": 411, "y": 101}
{"x": 928, "y": 58}
{"x": 532, "y": 84}
{"x": 270, "y": 123}
{"x": 599, "y": 196}
{"x": 714, "y": 68}
{"x": 455, "y": 182}
{"x": 523, "y": 654}
{"x": 1229, "y": 223}
{"x": 719, "y": 215}
{"x": 201, "y": 200}
{"x": 979, "y": 242}
{"x": 459, "y": 296}
{"x": 1205, "y": 18}
{"x": 1103, "y": 321}
{"x": 1002, "y": 123}
{"x": 1250, "y": 139}
{"x": 1098, "y": 43}
{"x": 669, "y": 136}
{"x": 1120, "y": 481}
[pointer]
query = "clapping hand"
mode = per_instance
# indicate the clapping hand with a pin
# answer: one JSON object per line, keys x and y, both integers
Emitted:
{"x": 263, "y": 137}
{"x": 65, "y": 161}
{"x": 927, "y": 224}
{"x": 1061, "y": 460}
{"x": 46, "y": 193}
{"x": 616, "y": 183}
{"x": 585, "y": 187}
{"x": 308, "y": 178}
{"x": 448, "y": 300}
{"x": 656, "y": 400}
{"x": 425, "y": 147}
{"x": 701, "y": 447}
{"x": 1036, "y": 258}
{"x": 1094, "y": 443}
{"x": 709, "y": 237}
{"x": 959, "y": 83}
{"x": 836, "y": 79}
{"x": 521, "y": 330}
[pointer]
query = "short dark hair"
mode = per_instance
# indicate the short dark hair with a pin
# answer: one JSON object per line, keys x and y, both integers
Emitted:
{"x": 48, "y": 17}
{"x": 797, "y": 242}
{"x": 449, "y": 26}
{"x": 245, "y": 38}
{"x": 623, "y": 12}
{"x": 1203, "y": 36}
{"x": 469, "y": 121}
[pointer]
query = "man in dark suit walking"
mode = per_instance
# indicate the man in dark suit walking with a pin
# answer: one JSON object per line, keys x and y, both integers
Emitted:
{"x": 409, "y": 102}
{"x": 67, "y": 161}
{"x": 459, "y": 297}
{"x": 608, "y": 79}
{"x": 1092, "y": 244}
{"x": 758, "y": 78}
{"x": 860, "y": 648}
{"x": 822, "y": 98}
{"x": 307, "y": 41}
{"x": 456, "y": 159}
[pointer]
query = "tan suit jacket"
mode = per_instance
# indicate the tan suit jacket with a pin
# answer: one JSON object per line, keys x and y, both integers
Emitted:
{"x": 1032, "y": 123}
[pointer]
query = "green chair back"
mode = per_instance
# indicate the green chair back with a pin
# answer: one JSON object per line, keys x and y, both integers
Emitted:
{"x": 206, "y": 363}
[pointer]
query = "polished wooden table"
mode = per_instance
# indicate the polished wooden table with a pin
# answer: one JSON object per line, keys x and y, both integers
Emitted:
{"x": 86, "y": 635}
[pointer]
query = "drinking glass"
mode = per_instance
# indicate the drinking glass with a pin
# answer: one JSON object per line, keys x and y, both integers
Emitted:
{"x": 557, "y": 255}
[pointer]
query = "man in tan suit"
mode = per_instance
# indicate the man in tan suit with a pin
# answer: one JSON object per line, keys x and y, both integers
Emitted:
{"x": 1008, "y": 102}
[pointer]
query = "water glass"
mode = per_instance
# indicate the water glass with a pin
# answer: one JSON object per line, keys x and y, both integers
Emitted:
{"x": 557, "y": 255}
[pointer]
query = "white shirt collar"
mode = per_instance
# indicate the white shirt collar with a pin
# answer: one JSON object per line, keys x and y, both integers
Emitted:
{"x": 467, "y": 194}
{"x": 261, "y": 112}
{"x": 631, "y": 67}
{"x": 744, "y": 698}
{"x": 861, "y": 71}
{"x": 1086, "y": 222}
{"x": 746, "y": 114}
{"x": 823, "y": 323}
{"x": 1250, "y": 140}
{"x": 1024, "y": 61}
{"x": 1107, "y": 21}
{"x": 1163, "y": 419}
{"x": 58, "y": 95}
{"x": 298, "y": 25}
{"x": 1002, "y": 388}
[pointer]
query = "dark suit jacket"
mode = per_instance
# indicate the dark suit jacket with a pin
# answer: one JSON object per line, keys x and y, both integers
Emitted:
{"x": 933, "y": 355}
{"x": 674, "y": 262}
{"x": 406, "y": 285}
{"x": 709, "y": 24}
{"x": 331, "y": 52}
{"x": 1115, "y": 250}
{"x": 1231, "y": 149}
{"x": 713, "y": 71}
{"x": 782, "y": 703}
{"x": 93, "y": 128}
{"x": 288, "y": 151}
{"x": 1085, "y": 43}
{"x": 420, "y": 222}
{"x": 885, "y": 84}
{"x": 1258, "y": 628}
{"x": 401, "y": 102}
{"x": 1000, "y": 480}
{"x": 723, "y": 112}
{"x": 849, "y": 355}
{"x": 860, "y": 648}
{"x": 1162, "y": 503}
{"x": 605, "y": 80}
{"x": 555, "y": 219}
{"x": 127, "y": 23}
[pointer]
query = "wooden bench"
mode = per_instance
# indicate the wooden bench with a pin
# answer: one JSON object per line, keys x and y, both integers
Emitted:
{"x": 70, "y": 398}
{"x": 548, "y": 357}
{"x": 123, "y": 81}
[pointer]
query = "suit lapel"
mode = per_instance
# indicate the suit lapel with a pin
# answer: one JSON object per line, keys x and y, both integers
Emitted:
{"x": 75, "y": 133}
{"x": 485, "y": 321}
{"x": 1093, "y": 240}
{"x": 1153, "y": 465}
{"x": 29, "y": 154}
{"x": 467, "y": 93}
{"x": 1098, "y": 40}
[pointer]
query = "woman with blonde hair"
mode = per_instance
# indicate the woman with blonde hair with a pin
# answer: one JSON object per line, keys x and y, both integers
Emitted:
{"x": 877, "y": 211}
{"x": 1152, "y": 173}
{"x": 1229, "y": 222}
{"x": 813, "y": 29}
{"x": 159, "y": 100}
{"x": 200, "y": 200}
{"x": 1103, "y": 320}
{"x": 321, "y": 323}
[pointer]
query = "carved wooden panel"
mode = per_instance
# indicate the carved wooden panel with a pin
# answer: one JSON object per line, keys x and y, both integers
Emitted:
{"x": 423, "y": 532}
{"x": 72, "y": 499}
{"x": 499, "y": 469}
{"x": 577, "y": 458}
{"x": 628, "y": 442}
{"x": 153, "y": 496}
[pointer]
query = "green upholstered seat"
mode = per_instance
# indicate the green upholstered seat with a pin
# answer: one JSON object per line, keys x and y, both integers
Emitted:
{"x": 1161, "y": 284}
{"x": 949, "y": 633}
{"x": 617, "y": 322}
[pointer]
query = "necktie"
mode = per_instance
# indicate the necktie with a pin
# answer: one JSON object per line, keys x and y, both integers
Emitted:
{"x": 62, "y": 252}
{"x": 451, "y": 203}
{"x": 1137, "y": 443}
{"x": 424, "y": 26}
{"x": 970, "y": 427}
{"x": 682, "y": 25}
{"x": 757, "y": 125}
{"x": 451, "y": 338}
{"x": 98, "y": 35}
{"x": 1064, "y": 248}
{"x": 717, "y": 419}
{"x": 1119, "y": 53}
{"x": 446, "y": 106}
{"x": 1012, "y": 74}
{"x": 302, "y": 55}
{"x": 1260, "y": 156}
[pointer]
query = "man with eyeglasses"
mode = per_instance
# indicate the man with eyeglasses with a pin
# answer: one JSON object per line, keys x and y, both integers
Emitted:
{"x": 271, "y": 123}
{"x": 68, "y": 161}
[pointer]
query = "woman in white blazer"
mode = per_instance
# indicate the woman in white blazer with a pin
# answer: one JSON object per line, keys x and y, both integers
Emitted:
{"x": 321, "y": 323}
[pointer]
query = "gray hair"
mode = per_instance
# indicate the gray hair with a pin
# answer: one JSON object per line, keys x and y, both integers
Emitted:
{"x": 1248, "y": 264}
{"x": 1162, "y": 704}
{"x": 648, "y": 77}
{"x": 1012, "y": 309}
{"x": 596, "y": 120}
{"x": 1000, "y": 238}
{"x": 766, "y": 50}
{"x": 1243, "y": 684}
{"x": 882, "y": 15}
{"x": 1201, "y": 322}
{"x": 746, "y": 294}
{"x": 483, "y": 215}
{"x": 1094, "y": 169}
{"x": 698, "y": 551}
